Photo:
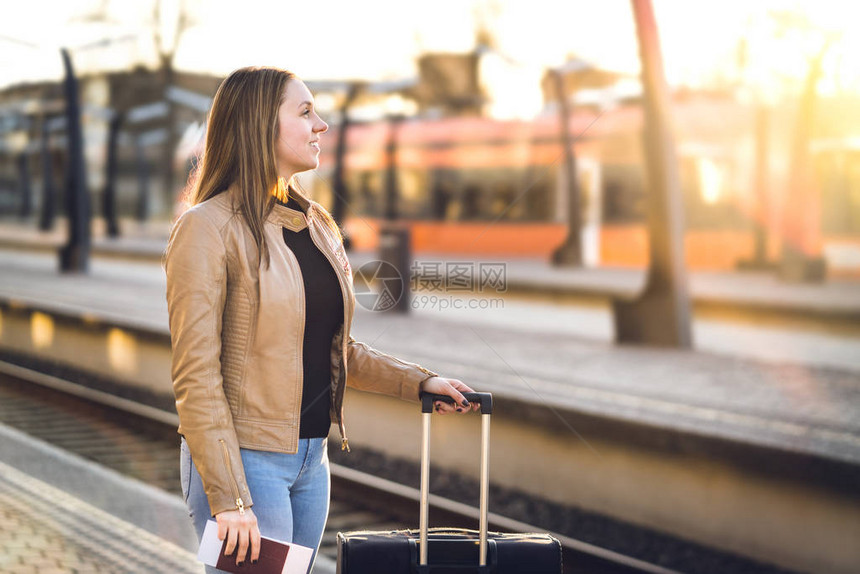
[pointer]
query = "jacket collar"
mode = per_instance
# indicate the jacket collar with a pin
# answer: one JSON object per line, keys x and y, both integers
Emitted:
{"x": 292, "y": 219}
{"x": 284, "y": 216}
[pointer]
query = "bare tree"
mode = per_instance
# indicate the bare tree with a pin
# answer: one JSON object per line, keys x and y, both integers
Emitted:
{"x": 169, "y": 20}
{"x": 166, "y": 44}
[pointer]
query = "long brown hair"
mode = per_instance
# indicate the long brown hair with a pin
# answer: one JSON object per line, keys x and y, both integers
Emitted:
{"x": 240, "y": 148}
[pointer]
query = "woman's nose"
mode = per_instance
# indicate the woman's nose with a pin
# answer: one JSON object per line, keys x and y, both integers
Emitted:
{"x": 322, "y": 127}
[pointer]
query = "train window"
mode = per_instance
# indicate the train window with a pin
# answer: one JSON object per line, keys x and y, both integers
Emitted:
{"x": 455, "y": 196}
{"x": 439, "y": 200}
{"x": 412, "y": 194}
{"x": 537, "y": 203}
{"x": 365, "y": 193}
{"x": 838, "y": 175}
{"x": 852, "y": 195}
{"x": 508, "y": 203}
{"x": 709, "y": 199}
{"x": 623, "y": 192}
{"x": 487, "y": 196}
{"x": 470, "y": 202}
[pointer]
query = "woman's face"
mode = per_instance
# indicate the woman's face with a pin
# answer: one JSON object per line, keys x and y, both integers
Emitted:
{"x": 297, "y": 147}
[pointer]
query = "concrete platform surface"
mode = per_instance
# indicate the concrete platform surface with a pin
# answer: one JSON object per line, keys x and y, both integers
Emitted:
{"x": 48, "y": 526}
{"x": 774, "y": 400}
{"x": 835, "y": 297}
{"x": 62, "y": 513}
{"x": 771, "y": 407}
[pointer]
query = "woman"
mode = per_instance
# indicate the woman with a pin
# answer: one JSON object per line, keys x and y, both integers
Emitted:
{"x": 260, "y": 298}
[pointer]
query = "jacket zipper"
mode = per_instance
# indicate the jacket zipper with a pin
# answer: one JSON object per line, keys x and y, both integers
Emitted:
{"x": 344, "y": 441}
{"x": 239, "y": 503}
{"x": 404, "y": 363}
{"x": 344, "y": 445}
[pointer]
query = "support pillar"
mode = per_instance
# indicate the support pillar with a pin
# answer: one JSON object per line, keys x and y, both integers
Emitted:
{"x": 109, "y": 197}
{"x": 49, "y": 191}
{"x": 76, "y": 254}
{"x": 661, "y": 315}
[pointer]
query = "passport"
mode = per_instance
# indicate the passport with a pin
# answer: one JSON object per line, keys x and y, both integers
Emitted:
{"x": 276, "y": 557}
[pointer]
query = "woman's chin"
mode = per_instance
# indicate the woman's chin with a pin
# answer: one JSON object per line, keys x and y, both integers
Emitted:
{"x": 307, "y": 167}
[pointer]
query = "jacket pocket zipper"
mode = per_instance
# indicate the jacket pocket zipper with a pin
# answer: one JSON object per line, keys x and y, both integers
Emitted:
{"x": 239, "y": 503}
{"x": 404, "y": 363}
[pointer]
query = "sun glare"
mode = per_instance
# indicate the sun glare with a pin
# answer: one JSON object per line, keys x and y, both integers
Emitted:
{"x": 710, "y": 180}
{"x": 701, "y": 42}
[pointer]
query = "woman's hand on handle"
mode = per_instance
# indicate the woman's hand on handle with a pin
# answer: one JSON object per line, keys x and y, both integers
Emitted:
{"x": 454, "y": 389}
{"x": 240, "y": 529}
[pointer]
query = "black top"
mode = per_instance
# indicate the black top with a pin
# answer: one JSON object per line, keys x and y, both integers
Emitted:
{"x": 323, "y": 317}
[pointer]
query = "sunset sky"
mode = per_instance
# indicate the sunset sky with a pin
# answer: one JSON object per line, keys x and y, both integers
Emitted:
{"x": 379, "y": 39}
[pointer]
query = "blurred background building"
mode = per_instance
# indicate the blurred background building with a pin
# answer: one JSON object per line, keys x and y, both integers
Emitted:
{"x": 462, "y": 159}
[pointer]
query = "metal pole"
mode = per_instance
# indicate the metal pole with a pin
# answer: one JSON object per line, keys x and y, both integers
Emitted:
{"x": 761, "y": 211}
{"x": 485, "y": 487}
{"x": 761, "y": 179}
{"x": 170, "y": 143}
{"x": 425, "y": 488}
{"x": 75, "y": 255}
{"x": 142, "y": 181}
{"x": 801, "y": 221}
{"x": 391, "y": 171}
{"x": 395, "y": 239}
{"x": 23, "y": 161}
{"x": 49, "y": 192}
{"x": 570, "y": 252}
{"x": 341, "y": 192}
{"x": 662, "y": 314}
{"x": 109, "y": 199}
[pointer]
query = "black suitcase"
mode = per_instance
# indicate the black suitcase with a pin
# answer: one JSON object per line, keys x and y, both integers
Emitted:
{"x": 448, "y": 550}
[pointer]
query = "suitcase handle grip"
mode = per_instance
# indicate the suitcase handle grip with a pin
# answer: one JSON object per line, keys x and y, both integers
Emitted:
{"x": 486, "y": 402}
{"x": 484, "y": 399}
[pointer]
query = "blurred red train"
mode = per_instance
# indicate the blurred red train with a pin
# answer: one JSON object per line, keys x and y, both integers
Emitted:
{"x": 478, "y": 186}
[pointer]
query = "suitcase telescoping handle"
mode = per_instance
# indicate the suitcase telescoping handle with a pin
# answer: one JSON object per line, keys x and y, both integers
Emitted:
{"x": 486, "y": 402}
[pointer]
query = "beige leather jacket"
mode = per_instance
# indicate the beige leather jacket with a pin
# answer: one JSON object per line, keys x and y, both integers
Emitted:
{"x": 237, "y": 334}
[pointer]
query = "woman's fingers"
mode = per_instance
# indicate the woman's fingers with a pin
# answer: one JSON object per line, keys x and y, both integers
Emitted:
{"x": 461, "y": 387}
{"x": 244, "y": 535}
{"x": 232, "y": 538}
{"x": 255, "y": 544}
{"x": 463, "y": 405}
{"x": 444, "y": 408}
{"x": 453, "y": 388}
{"x": 241, "y": 531}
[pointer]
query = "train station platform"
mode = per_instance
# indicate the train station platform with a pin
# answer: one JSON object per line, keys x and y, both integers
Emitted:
{"x": 787, "y": 402}
{"x": 62, "y": 513}
{"x": 770, "y": 402}
{"x": 834, "y": 299}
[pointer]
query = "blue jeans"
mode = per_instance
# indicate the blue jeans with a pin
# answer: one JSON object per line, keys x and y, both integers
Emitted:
{"x": 290, "y": 492}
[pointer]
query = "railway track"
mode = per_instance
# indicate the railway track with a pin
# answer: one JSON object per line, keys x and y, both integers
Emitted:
{"x": 141, "y": 441}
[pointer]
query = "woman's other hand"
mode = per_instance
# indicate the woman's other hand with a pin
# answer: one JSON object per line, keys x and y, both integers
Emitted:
{"x": 453, "y": 388}
{"x": 240, "y": 528}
